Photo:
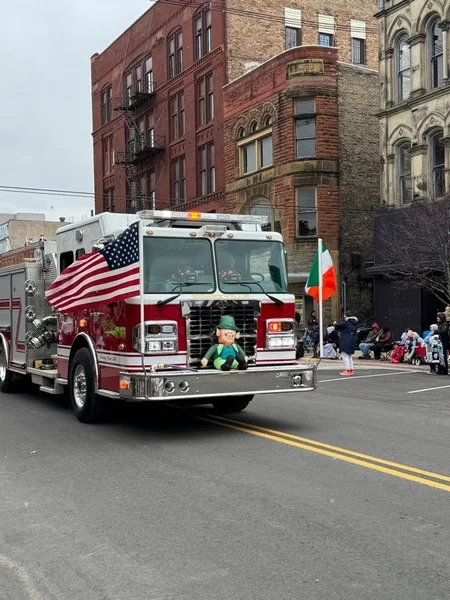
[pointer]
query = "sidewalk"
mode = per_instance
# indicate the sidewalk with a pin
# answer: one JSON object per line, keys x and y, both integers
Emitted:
{"x": 363, "y": 364}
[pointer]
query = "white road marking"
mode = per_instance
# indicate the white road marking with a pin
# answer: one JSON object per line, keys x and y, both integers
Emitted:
{"x": 23, "y": 577}
{"x": 441, "y": 387}
{"x": 365, "y": 376}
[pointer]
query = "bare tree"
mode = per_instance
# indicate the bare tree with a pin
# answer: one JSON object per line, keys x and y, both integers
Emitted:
{"x": 413, "y": 244}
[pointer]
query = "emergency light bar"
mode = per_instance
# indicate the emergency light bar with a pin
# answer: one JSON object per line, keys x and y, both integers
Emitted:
{"x": 198, "y": 216}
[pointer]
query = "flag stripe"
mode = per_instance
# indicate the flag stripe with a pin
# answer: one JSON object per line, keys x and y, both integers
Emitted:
{"x": 83, "y": 270}
{"x": 107, "y": 275}
{"x": 329, "y": 285}
{"x": 94, "y": 296}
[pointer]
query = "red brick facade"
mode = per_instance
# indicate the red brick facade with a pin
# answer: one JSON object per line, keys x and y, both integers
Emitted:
{"x": 272, "y": 90}
{"x": 149, "y": 37}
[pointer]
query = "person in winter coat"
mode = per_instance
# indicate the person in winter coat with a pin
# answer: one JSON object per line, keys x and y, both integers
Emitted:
{"x": 311, "y": 321}
{"x": 348, "y": 341}
{"x": 384, "y": 343}
{"x": 315, "y": 338}
{"x": 370, "y": 342}
{"x": 443, "y": 332}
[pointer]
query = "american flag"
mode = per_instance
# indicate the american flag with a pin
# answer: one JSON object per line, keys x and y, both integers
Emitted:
{"x": 103, "y": 276}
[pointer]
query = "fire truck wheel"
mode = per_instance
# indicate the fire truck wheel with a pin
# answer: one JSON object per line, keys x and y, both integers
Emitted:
{"x": 86, "y": 404}
{"x": 6, "y": 376}
{"x": 232, "y": 405}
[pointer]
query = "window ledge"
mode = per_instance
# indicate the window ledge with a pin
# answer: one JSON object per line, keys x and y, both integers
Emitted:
{"x": 206, "y": 126}
{"x": 253, "y": 173}
{"x": 306, "y": 238}
{"x": 177, "y": 141}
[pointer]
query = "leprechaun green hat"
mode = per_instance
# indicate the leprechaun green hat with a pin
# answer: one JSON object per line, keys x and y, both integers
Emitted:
{"x": 227, "y": 322}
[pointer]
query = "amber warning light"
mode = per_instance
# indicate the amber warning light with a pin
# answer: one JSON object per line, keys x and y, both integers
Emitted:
{"x": 274, "y": 326}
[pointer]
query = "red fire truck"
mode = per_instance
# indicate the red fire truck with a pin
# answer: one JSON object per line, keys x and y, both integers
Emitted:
{"x": 194, "y": 269}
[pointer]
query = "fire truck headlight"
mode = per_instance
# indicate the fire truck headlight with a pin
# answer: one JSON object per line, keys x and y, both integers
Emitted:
{"x": 168, "y": 328}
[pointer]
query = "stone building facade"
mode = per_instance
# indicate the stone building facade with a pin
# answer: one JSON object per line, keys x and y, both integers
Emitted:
{"x": 265, "y": 28}
{"x": 287, "y": 125}
{"x": 414, "y": 129}
{"x": 157, "y": 96}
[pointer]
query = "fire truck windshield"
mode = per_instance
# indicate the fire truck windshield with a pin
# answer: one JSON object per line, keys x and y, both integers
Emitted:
{"x": 251, "y": 265}
{"x": 171, "y": 261}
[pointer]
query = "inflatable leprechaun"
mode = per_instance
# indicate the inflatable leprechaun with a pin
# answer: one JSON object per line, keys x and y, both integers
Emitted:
{"x": 226, "y": 354}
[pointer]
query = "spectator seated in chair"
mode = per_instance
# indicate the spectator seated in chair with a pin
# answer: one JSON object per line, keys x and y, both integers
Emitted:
{"x": 385, "y": 343}
{"x": 370, "y": 342}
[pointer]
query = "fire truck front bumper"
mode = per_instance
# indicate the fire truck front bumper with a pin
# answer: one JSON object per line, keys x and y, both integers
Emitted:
{"x": 204, "y": 384}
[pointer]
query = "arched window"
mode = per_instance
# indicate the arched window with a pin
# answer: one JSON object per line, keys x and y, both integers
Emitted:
{"x": 264, "y": 208}
{"x": 203, "y": 32}
{"x": 175, "y": 53}
{"x": 403, "y": 68}
{"x": 436, "y": 155}
{"x": 267, "y": 121}
{"x": 241, "y": 133}
{"x": 404, "y": 190}
{"x": 435, "y": 49}
{"x": 253, "y": 127}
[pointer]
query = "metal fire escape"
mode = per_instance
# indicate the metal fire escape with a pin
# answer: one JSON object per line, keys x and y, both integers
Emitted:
{"x": 142, "y": 147}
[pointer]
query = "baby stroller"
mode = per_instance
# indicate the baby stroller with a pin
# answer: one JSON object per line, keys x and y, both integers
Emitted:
{"x": 419, "y": 356}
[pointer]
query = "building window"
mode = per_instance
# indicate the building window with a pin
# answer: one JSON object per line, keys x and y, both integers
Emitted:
{"x": 175, "y": 51}
{"x": 358, "y": 51}
{"x": 264, "y": 208}
{"x": 256, "y": 155}
{"x": 109, "y": 200}
{"x": 206, "y": 170}
{"x": 403, "y": 68}
{"x": 106, "y": 99}
{"x": 437, "y": 156}
{"x": 306, "y": 212}
{"x": 205, "y": 100}
{"x": 404, "y": 173}
{"x": 179, "y": 180}
{"x": 203, "y": 33}
{"x": 326, "y": 30}
{"x": 148, "y": 76}
{"x": 305, "y": 129}
{"x": 325, "y": 39}
{"x": 148, "y": 189}
{"x": 292, "y": 27}
{"x": 108, "y": 155}
{"x": 149, "y": 122}
{"x": 358, "y": 42}
{"x": 436, "y": 53}
{"x": 177, "y": 116}
{"x": 293, "y": 37}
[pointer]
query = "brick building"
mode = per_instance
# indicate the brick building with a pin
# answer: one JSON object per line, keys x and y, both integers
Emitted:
{"x": 301, "y": 147}
{"x": 157, "y": 90}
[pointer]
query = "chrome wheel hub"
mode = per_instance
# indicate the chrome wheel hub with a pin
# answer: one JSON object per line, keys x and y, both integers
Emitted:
{"x": 79, "y": 386}
{"x": 2, "y": 365}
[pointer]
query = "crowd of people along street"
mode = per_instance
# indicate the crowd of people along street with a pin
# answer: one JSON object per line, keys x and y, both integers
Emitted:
{"x": 342, "y": 340}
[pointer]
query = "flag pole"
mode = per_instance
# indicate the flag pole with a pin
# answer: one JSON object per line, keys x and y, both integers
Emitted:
{"x": 319, "y": 250}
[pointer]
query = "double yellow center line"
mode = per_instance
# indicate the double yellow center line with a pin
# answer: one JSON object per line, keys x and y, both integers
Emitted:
{"x": 434, "y": 480}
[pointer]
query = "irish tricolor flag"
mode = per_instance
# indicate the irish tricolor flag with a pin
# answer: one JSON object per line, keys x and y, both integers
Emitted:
{"x": 322, "y": 263}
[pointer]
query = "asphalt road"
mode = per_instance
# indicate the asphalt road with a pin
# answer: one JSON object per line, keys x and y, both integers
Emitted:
{"x": 340, "y": 494}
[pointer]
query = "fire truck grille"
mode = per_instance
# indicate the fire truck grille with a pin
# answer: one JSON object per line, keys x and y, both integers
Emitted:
{"x": 204, "y": 317}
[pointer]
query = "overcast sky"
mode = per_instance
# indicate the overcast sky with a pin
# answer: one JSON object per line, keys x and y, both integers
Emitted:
{"x": 45, "y": 100}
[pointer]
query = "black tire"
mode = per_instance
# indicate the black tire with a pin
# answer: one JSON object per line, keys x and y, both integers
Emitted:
{"x": 86, "y": 404}
{"x": 232, "y": 405}
{"x": 7, "y": 378}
